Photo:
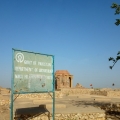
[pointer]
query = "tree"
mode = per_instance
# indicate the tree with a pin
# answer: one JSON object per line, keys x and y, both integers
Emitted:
{"x": 114, "y": 60}
{"x": 117, "y": 11}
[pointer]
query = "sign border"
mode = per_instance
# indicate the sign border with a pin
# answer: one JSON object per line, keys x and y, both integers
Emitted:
{"x": 12, "y": 85}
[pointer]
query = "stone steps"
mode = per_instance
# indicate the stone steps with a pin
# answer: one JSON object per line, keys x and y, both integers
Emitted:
{"x": 27, "y": 105}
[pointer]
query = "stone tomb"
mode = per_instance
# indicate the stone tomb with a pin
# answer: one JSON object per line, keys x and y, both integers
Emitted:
{"x": 63, "y": 79}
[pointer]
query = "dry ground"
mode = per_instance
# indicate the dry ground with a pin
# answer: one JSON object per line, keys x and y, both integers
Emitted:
{"x": 67, "y": 104}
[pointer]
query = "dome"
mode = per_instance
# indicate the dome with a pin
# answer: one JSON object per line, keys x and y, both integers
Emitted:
{"x": 65, "y": 72}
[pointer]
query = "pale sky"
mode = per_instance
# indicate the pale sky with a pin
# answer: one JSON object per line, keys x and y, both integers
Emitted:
{"x": 81, "y": 34}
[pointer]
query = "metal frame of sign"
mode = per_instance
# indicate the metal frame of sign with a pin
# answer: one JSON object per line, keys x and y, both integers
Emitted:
{"x": 12, "y": 83}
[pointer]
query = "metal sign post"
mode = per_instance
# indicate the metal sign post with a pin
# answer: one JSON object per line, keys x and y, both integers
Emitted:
{"x": 32, "y": 73}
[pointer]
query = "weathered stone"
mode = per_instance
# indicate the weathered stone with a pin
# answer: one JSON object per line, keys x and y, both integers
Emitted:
{"x": 78, "y": 86}
{"x": 101, "y": 115}
{"x": 91, "y": 116}
{"x": 109, "y": 119}
{"x": 63, "y": 79}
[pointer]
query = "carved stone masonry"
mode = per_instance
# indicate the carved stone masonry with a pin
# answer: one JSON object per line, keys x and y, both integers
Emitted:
{"x": 63, "y": 79}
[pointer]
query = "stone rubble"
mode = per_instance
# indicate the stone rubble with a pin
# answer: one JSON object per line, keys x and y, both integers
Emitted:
{"x": 71, "y": 116}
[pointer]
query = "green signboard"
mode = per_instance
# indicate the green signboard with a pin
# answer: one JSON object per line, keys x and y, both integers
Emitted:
{"x": 33, "y": 72}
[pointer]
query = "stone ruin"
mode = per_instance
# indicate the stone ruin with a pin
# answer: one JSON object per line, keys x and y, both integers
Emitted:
{"x": 78, "y": 86}
{"x": 63, "y": 79}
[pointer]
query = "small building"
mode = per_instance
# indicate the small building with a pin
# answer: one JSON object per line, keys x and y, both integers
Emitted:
{"x": 63, "y": 79}
{"x": 79, "y": 86}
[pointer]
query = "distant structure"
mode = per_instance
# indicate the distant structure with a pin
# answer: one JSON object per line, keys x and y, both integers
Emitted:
{"x": 63, "y": 79}
{"x": 78, "y": 86}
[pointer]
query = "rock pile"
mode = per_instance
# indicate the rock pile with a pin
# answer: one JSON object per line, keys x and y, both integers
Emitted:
{"x": 78, "y": 86}
{"x": 111, "y": 107}
{"x": 71, "y": 116}
{"x": 112, "y": 111}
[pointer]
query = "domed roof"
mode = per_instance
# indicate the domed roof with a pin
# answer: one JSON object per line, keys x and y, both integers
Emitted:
{"x": 62, "y": 72}
{"x": 78, "y": 86}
